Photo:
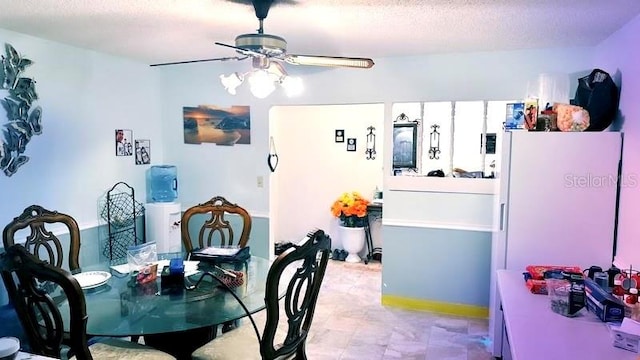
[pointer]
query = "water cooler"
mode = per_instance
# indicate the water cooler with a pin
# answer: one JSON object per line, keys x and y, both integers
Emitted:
{"x": 163, "y": 213}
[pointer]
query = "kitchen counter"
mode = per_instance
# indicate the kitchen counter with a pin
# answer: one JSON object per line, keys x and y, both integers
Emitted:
{"x": 533, "y": 331}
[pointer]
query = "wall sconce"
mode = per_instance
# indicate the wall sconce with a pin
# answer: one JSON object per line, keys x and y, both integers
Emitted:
{"x": 263, "y": 79}
{"x": 434, "y": 142}
{"x": 371, "y": 144}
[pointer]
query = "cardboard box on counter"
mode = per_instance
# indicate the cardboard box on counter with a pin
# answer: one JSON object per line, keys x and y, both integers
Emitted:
{"x": 626, "y": 335}
{"x": 600, "y": 302}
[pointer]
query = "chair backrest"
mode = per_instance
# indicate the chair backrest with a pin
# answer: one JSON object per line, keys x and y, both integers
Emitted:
{"x": 41, "y": 242}
{"x": 30, "y": 282}
{"x": 215, "y": 228}
{"x": 301, "y": 295}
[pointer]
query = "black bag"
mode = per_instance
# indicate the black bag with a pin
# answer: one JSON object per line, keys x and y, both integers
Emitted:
{"x": 598, "y": 94}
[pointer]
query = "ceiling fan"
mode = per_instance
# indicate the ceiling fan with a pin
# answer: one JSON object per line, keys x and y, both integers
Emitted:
{"x": 263, "y": 48}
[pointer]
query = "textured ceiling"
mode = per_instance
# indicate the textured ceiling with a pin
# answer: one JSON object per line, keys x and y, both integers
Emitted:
{"x": 156, "y": 31}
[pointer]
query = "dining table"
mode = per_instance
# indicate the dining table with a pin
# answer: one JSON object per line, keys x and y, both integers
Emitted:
{"x": 173, "y": 318}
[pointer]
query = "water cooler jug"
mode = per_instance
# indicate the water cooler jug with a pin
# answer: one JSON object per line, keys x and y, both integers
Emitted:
{"x": 162, "y": 183}
{"x": 163, "y": 214}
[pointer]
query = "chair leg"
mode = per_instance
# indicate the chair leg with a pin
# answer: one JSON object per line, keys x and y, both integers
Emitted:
{"x": 301, "y": 353}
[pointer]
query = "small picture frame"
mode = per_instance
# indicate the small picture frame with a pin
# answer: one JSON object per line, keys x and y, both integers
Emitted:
{"x": 339, "y": 136}
{"x": 143, "y": 152}
{"x": 351, "y": 144}
{"x": 124, "y": 142}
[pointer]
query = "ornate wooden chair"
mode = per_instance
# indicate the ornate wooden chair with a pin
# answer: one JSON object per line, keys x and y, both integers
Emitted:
{"x": 26, "y": 277}
{"x": 216, "y": 229}
{"x": 286, "y": 337}
{"x": 42, "y": 242}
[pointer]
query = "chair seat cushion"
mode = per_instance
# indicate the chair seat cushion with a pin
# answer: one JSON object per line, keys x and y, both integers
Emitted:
{"x": 240, "y": 343}
{"x": 117, "y": 349}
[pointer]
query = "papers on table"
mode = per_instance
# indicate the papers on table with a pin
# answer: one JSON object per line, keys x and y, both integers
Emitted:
{"x": 190, "y": 267}
{"x": 219, "y": 251}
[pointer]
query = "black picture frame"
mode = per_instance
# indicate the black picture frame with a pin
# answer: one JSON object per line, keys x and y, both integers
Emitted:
{"x": 339, "y": 137}
{"x": 124, "y": 142}
{"x": 351, "y": 144}
{"x": 405, "y": 145}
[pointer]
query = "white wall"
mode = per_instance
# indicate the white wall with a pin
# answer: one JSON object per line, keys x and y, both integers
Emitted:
{"x": 314, "y": 170}
{"x": 619, "y": 55}
{"x": 84, "y": 96}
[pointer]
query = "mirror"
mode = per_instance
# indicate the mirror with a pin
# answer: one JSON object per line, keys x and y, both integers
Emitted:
{"x": 405, "y": 142}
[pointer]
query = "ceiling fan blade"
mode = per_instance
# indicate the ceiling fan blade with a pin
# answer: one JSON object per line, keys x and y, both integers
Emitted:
{"x": 202, "y": 60}
{"x": 362, "y": 63}
{"x": 243, "y": 51}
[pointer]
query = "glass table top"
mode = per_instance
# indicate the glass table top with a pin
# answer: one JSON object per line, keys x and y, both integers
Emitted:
{"x": 122, "y": 308}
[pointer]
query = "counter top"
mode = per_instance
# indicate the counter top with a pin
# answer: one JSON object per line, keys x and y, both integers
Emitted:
{"x": 535, "y": 332}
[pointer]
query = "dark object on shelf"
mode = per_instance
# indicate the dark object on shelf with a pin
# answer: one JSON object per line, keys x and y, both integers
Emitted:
{"x": 598, "y": 94}
{"x": 436, "y": 173}
{"x": 279, "y": 248}
{"x": 121, "y": 210}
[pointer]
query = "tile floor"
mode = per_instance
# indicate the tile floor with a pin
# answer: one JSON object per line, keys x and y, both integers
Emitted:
{"x": 350, "y": 323}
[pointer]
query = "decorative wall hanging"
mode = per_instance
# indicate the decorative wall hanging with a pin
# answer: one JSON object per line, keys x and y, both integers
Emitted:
{"x": 23, "y": 119}
{"x": 143, "y": 152}
{"x": 434, "y": 142}
{"x": 221, "y": 126}
{"x": 405, "y": 142}
{"x": 340, "y": 136}
{"x": 371, "y": 144}
{"x": 124, "y": 145}
{"x": 272, "y": 158}
{"x": 351, "y": 144}
{"x": 402, "y": 118}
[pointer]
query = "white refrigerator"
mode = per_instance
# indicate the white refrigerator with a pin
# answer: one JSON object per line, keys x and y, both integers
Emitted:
{"x": 556, "y": 205}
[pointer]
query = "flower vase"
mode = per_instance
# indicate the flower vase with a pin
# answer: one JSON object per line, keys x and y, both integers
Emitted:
{"x": 352, "y": 239}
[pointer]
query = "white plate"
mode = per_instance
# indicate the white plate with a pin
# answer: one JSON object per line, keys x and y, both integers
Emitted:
{"x": 91, "y": 279}
{"x": 9, "y": 346}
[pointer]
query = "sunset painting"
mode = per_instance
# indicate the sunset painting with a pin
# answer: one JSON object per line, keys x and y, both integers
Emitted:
{"x": 221, "y": 126}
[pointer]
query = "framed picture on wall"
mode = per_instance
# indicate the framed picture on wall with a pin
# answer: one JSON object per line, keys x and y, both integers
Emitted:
{"x": 351, "y": 144}
{"x": 124, "y": 142}
{"x": 340, "y": 136}
{"x": 405, "y": 142}
{"x": 143, "y": 152}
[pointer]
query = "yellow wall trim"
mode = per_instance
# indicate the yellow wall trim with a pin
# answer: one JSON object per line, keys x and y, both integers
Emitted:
{"x": 435, "y": 306}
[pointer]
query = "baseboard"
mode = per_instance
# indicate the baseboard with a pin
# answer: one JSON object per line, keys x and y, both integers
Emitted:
{"x": 435, "y": 306}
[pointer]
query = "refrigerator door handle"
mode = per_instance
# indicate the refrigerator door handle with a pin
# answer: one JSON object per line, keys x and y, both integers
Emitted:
{"x": 502, "y": 216}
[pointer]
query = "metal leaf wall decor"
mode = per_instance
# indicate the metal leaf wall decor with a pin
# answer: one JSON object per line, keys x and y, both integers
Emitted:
{"x": 23, "y": 118}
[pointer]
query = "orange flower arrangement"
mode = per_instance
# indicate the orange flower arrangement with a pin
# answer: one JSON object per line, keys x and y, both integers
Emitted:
{"x": 350, "y": 208}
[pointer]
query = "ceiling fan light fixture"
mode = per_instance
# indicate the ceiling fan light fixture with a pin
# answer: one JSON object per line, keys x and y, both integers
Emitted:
{"x": 292, "y": 85}
{"x": 261, "y": 83}
{"x": 231, "y": 82}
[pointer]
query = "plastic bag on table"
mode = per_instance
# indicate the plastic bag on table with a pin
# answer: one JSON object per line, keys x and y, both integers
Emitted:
{"x": 141, "y": 255}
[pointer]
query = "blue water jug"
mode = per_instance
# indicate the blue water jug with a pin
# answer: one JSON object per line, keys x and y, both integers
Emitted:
{"x": 163, "y": 183}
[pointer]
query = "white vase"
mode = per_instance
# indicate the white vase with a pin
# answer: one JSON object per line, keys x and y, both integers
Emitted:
{"x": 352, "y": 241}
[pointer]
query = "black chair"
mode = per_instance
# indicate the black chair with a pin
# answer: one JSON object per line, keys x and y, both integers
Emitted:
{"x": 42, "y": 242}
{"x": 32, "y": 285}
{"x": 286, "y": 337}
